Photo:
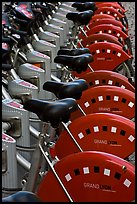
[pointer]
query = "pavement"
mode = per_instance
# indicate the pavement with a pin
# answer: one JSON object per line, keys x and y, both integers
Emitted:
{"x": 130, "y": 6}
{"x": 130, "y": 14}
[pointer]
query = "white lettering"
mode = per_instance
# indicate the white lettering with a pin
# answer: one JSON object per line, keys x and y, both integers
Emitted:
{"x": 96, "y": 141}
{"x": 91, "y": 185}
{"x": 104, "y": 109}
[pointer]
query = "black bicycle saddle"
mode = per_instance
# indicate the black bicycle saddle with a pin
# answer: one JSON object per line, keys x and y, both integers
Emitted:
{"x": 76, "y": 63}
{"x": 83, "y": 6}
{"x": 71, "y": 89}
{"x": 52, "y": 112}
{"x": 73, "y": 52}
{"x": 81, "y": 18}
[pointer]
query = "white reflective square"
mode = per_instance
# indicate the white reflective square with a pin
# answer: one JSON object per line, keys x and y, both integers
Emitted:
{"x": 86, "y": 170}
{"x": 131, "y": 104}
{"x": 118, "y": 54}
{"x": 108, "y": 50}
{"x": 97, "y": 51}
{"x": 68, "y": 177}
{"x": 131, "y": 138}
{"x": 116, "y": 98}
{"x": 100, "y": 98}
{"x": 127, "y": 183}
{"x": 110, "y": 82}
{"x": 80, "y": 135}
{"x": 86, "y": 104}
{"x": 123, "y": 87}
{"x": 109, "y": 31}
{"x": 107, "y": 172}
{"x": 113, "y": 129}
{"x": 118, "y": 34}
{"x": 96, "y": 82}
{"x": 96, "y": 129}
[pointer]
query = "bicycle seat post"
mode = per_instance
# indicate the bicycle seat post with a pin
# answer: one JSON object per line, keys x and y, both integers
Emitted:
{"x": 53, "y": 113}
{"x": 38, "y": 163}
{"x": 73, "y": 36}
{"x": 30, "y": 184}
{"x": 49, "y": 132}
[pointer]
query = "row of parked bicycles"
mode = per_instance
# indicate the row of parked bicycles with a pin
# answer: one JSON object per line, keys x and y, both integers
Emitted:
{"x": 68, "y": 103}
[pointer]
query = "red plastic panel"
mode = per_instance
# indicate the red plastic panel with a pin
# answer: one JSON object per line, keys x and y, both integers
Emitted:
{"x": 109, "y": 99}
{"x": 94, "y": 38}
{"x": 105, "y": 21}
{"x": 106, "y": 28}
{"x": 107, "y": 56}
{"x": 115, "y": 5}
{"x": 104, "y": 132}
{"x": 100, "y": 16}
{"x": 110, "y": 11}
{"x": 90, "y": 177}
{"x": 103, "y": 77}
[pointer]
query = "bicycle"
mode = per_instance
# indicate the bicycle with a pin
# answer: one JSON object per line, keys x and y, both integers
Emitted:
{"x": 72, "y": 166}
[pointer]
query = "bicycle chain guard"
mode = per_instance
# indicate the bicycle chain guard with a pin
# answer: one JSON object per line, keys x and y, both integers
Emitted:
{"x": 103, "y": 132}
{"x": 90, "y": 177}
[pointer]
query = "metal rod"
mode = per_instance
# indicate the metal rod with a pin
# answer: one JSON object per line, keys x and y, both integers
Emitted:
{"x": 83, "y": 31}
{"x": 15, "y": 56}
{"x": 26, "y": 149}
{"x": 52, "y": 134}
{"x": 65, "y": 126}
{"x": 5, "y": 93}
{"x": 82, "y": 111}
{"x": 54, "y": 78}
{"x": 34, "y": 169}
{"x": 73, "y": 44}
{"x": 56, "y": 175}
{"x": 88, "y": 64}
{"x": 34, "y": 132}
{"x": 14, "y": 74}
{"x": 23, "y": 162}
